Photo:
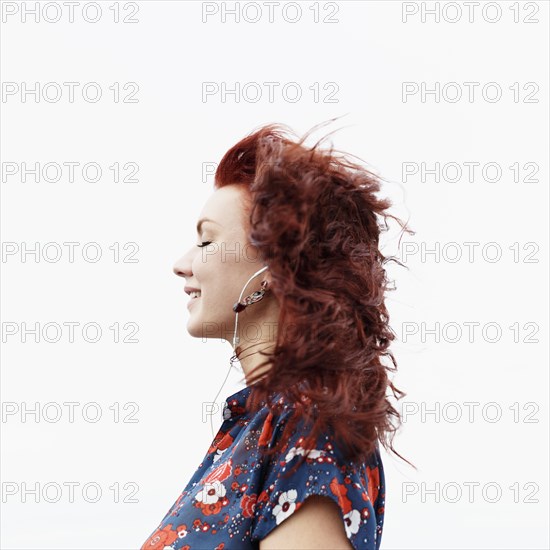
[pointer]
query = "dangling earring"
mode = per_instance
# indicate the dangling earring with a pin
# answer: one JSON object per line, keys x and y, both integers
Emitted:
{"x": 252, "y": 298}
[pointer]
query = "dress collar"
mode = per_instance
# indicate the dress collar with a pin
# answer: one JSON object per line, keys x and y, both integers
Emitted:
{"x": 235, "y": 404}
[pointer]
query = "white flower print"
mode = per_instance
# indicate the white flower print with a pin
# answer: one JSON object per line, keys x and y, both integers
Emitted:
{"x": 226, "y": 412}
{"x": 292, "y": 453}
{"x": 286, "y": 505}
{"x": 295, "y": 451}
{"x": 218, "y": 454}
{"x": 211, "y": 493}
{"x": 314, "y": 453}
{"x": 352, "y": 521}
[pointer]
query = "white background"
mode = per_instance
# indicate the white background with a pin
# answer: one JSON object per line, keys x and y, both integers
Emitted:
{"x": 170, "y": 132}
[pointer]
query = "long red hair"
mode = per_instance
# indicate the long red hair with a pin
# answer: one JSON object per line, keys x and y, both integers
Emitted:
{"x": 315, "y": 220}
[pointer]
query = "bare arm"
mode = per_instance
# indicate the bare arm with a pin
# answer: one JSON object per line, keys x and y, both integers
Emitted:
{"x": 316, "y": 525}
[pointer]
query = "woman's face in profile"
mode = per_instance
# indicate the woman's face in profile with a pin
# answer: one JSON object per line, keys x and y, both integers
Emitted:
{"x": 220, "y": 269}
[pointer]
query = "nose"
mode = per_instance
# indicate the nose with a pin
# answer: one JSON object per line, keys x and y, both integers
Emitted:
{"x": 182, "y": 267}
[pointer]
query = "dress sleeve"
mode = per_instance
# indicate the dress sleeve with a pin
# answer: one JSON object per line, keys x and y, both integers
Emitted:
{"x": 357, "y": 489}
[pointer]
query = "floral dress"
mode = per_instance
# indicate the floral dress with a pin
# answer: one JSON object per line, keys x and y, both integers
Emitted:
{"x": 236, "y": 497}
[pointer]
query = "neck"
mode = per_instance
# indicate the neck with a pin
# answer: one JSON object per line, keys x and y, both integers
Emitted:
{"x": 250, "y": 357}
{"x": 264, "y": 314}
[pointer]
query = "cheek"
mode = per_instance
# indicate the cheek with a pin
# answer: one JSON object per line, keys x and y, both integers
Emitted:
{"x": 203, "y": 265}
{"x": 221, "y": 275}
{"x": 209, "y": 273}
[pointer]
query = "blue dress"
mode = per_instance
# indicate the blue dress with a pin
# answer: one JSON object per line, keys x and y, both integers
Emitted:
{"x": 236, "y": 496}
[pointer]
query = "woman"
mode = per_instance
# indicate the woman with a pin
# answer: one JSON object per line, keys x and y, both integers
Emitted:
{"x": 295, "y": 463}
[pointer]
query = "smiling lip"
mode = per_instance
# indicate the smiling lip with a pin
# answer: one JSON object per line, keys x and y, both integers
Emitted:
{"x": 189, "y": 289}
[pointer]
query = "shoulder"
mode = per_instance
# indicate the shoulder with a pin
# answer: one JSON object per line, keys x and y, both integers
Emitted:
{"x": 347, "y": 495}
{"x": 317, "y": 524}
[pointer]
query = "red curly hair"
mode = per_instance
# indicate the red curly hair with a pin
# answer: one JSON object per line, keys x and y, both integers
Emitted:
{"x": 314, "y": 219}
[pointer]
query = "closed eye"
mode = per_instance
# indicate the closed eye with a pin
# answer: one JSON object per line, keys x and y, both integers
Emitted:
{"x": 204, "y": 244}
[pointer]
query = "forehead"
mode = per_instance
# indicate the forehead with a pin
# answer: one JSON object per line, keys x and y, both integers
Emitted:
{"x": 227, "y": 206}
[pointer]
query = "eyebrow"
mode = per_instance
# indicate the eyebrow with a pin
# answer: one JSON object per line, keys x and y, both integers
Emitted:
{"x": 202, "y": 220}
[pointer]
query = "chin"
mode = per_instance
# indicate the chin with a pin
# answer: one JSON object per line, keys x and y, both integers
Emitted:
{"x": 201, "y": 329}
{"x": 194, "y": 329}
{"x": 208, "y": 324}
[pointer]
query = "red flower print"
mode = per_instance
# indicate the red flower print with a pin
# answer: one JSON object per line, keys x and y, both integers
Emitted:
{"x": 263, "y": 497}
{"x": 220, "y": 546}
{"x": 160, "y": 538}
{"x": 225, "y": 442}
{"x": 248, "y": 503}
{"x": 222, "y": 472}
{"x": 235, "y": 408}
{"x": 219, "y": 436}
{"x": 374, "y": 482}
{"x": 340, "y": 490}
{"x": 267, "y": 431}
{"x": 211, "y": 509}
